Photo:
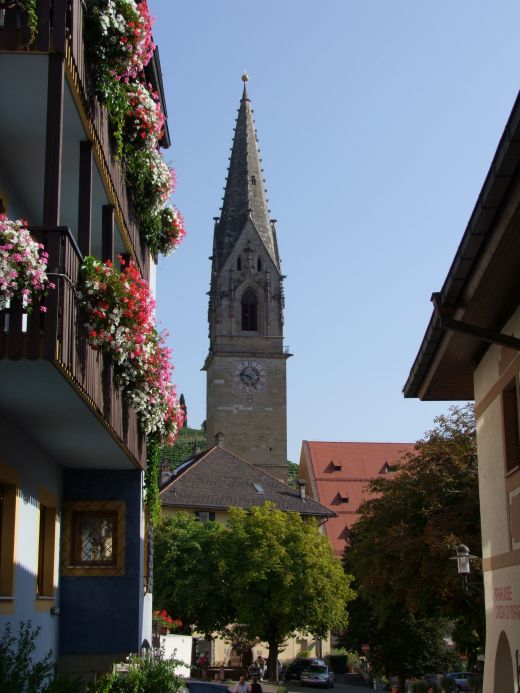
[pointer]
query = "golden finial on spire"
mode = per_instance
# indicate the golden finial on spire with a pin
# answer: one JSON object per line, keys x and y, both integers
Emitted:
{"x": 245, "y": 76}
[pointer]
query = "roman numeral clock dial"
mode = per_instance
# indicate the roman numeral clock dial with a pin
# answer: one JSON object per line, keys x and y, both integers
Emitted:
{"x": 250, "y": 376}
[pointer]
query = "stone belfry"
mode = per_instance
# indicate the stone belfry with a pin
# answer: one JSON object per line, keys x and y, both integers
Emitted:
{"x": 246, "y": 364}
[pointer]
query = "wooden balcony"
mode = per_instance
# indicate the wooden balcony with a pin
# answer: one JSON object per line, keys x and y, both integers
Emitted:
{"x": 55, "y": 386}
{"x": 60, "y": 33}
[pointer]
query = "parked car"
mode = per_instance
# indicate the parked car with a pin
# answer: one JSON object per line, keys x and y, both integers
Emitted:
{"x": 194, "y": 686}
{"x": 317, "y": 675}
{"x": 295, "y": 668}
{"x": 464, "y": 680}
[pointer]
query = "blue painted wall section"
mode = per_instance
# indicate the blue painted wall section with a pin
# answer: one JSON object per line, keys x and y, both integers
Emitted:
{"x": 102, "y": 614}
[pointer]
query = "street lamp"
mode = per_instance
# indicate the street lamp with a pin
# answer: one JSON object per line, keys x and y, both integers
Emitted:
{"x": 463, "y": 563}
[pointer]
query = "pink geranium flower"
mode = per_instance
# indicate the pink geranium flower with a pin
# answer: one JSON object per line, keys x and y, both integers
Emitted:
{"x": 23, "y": 265}
{"x": 119, "y": 308}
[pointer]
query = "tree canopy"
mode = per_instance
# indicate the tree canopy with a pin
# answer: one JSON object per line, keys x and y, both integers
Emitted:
{"x": 271, "y": 571}
{"x": 402, "y": 544}
{"x": 189, "y": 573}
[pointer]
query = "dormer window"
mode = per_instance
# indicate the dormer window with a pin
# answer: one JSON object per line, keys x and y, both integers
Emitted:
{"x": 343, "y": 497}
{"x": 239, "y": 263}
{"x": 249, "y": 313}
{"x": 336, "y": 466}
{"x": 259, "y": 265}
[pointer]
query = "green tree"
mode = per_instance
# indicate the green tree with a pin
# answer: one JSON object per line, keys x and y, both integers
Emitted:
{"x": 402, "y": 544}
{"x": 189, "y": 574}
{"x": 283, "y": 577}
{"x": 292, "y": 474}
{"x": 401, "y": 643}
{"x": 182, "y": 404}
{"x": 272, "y": 572}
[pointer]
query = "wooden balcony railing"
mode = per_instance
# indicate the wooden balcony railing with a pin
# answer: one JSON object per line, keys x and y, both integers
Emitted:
{"x": 60, "y": 30}
{"x": 58, "y": 336}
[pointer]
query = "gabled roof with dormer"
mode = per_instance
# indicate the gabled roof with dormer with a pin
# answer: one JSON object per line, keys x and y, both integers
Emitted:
{"x": 217, "y": 480}
{"x": 245, "y": 196}
{"x": 337, "y": 475}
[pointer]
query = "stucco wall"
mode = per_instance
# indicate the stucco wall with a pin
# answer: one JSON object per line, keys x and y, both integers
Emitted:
{"x": 501, "y": 558}
{"x": 35, "y": 475}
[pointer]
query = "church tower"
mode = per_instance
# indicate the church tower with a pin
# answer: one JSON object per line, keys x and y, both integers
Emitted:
{"x": 246, "y": 364}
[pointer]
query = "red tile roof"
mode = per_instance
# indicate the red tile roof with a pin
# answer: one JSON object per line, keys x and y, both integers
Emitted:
{"x": 337, "y": 475}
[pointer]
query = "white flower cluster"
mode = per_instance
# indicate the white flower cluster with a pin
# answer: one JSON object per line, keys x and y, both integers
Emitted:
{"x": 23, "y": 263}
{"x": 112, "y": 21}
{"x": 161, "y": 178}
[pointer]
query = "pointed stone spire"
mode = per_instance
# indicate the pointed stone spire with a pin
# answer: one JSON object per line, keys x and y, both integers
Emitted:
{"x": 244, "y": 195}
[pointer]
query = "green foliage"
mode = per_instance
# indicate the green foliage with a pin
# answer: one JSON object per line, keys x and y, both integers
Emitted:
{"x": 113, "y": 94}
{"x": 148, "y": 674}
{"x": 65, "y": 684}
{"x": 151, "y": 479}
{"x": 18, "y": 673}
{"x": 29, "y": 7}
{"x": 272, "y": 571}
{"x": 340, "y": 658}
{"x": 283, "y": 574}
{"x": 189, "y": 574}
{"x": 408, "y": 646}
{"x": 402, "y": 544}
{"x": 107, "y": 55}
{"x": 292, "y": 474}
{"x": 189, "y": 441}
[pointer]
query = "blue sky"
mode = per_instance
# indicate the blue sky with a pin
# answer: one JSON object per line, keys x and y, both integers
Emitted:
{"x": 377, "y": 122}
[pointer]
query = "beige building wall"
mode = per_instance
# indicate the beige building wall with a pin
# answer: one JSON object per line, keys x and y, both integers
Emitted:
{"x": 499, "y": 483}
{"x": 294, "y": 646}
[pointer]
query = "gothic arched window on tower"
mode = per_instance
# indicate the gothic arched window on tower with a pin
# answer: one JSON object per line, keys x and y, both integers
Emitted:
{"x": 259, "y": 265}
{"x": 239, "y": 263}
{"x": 249, "y": 311}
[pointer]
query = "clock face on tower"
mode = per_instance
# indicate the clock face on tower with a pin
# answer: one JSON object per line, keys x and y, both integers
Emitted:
{"x": 249, "y": 376}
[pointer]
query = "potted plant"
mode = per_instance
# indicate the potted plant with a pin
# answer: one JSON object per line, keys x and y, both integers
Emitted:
{"x": 165, "y": 623}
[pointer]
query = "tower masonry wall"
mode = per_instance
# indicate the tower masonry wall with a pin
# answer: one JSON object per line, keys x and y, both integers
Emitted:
{"x": 252, "y": 419}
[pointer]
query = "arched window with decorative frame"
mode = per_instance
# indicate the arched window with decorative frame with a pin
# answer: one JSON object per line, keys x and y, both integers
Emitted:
{"x": 249, "y": 311}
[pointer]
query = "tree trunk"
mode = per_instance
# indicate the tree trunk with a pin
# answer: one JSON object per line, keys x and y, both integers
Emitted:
{"x": 272, "y": 661}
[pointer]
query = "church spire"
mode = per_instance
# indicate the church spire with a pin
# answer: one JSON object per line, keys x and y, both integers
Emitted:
{"x": 244, "y": 195}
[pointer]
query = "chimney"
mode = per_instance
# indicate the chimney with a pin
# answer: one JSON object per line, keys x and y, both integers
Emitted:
{"x": 301, "y": 484}
{"x": 219, "y": 439}
{"x": 165, "y": 473}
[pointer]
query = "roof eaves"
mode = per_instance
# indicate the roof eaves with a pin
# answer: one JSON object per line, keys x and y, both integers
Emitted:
{"x": 502, "y": 170}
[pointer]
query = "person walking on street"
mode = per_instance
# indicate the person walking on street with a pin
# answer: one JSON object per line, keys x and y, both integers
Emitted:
{"x": 241, "y": 686}
{"x": 261, "y": 665}
{"x": 256, "y": 686}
